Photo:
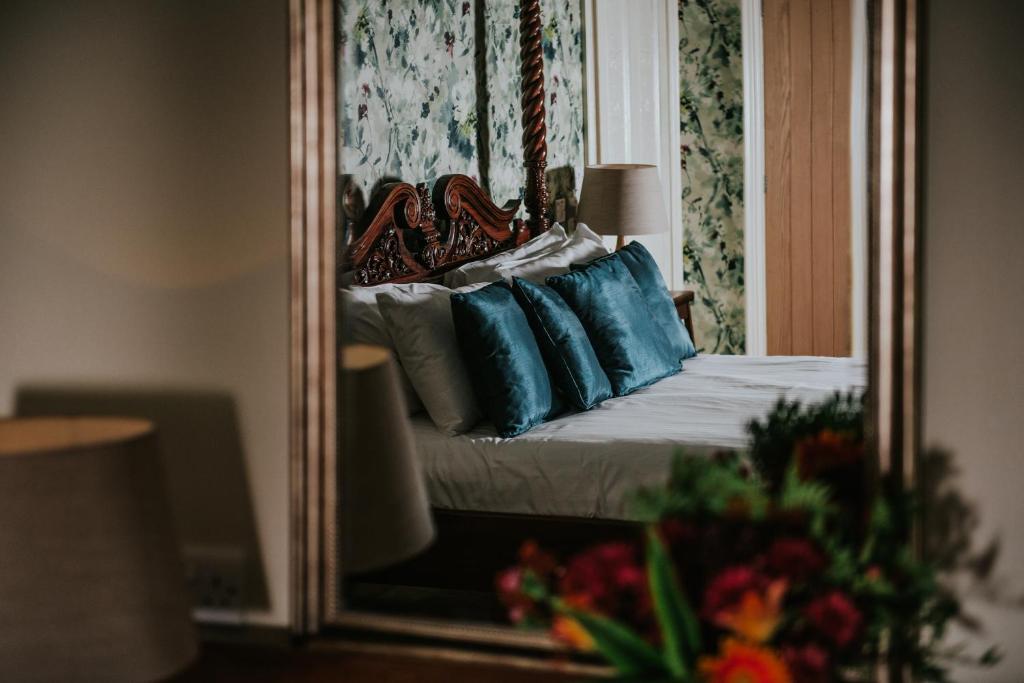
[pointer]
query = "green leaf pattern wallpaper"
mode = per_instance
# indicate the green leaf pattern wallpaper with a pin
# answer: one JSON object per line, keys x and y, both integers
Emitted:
{"x": 430, "y": 87}
{"x": 711, "y": 136}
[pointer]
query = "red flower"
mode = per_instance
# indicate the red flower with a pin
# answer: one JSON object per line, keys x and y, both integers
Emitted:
{"x": 726, "y": 590}
{"x": 675, "y": 532}
{"x": 610, "y": 579}
{"x": 807, "y": 664}
{"x": 835, "y": 616}
{"x": 795, "y": 558}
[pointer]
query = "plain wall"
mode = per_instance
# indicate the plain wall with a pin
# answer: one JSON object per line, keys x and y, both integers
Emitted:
{"x": 974, "y": 289}
{"x": 144, "y": 233}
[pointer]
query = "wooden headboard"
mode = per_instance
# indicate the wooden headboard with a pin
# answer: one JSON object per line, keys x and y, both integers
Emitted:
{"x": 415, "y": 235}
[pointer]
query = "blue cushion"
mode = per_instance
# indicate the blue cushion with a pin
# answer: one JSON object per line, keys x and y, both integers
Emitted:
{"x": 504, "y": 361}
{"x": 564, "y": 345}
{"x": 645, "y": 271}
{"x": 631, "y": 346}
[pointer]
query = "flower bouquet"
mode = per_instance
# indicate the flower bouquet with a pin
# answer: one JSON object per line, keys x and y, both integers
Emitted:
{"x": 767, "y": 566}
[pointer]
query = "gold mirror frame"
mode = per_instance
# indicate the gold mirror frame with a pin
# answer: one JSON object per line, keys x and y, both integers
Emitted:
{"x": 894, "y": 365}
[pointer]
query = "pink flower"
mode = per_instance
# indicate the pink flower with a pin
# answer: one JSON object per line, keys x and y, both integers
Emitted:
{"x": 509, "y": 584}
{"x": 836, "y": 617}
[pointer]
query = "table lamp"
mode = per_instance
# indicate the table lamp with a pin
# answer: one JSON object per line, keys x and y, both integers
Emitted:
{"x": 92, "y": 586}
{"x": 622, "y": 200}
{"x": 385, "y": 512}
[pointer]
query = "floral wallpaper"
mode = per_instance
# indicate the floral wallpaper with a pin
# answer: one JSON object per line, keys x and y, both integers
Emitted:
{"x": 408, "y": 106}
{"x": 711, "y": 135}
{"x": 421, "y": 95}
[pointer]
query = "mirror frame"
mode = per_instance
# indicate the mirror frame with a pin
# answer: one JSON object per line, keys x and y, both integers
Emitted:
{"x": 894, "y": 316}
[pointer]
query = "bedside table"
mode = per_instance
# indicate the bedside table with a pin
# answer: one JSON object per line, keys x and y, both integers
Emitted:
{"x": 682, "y": 298}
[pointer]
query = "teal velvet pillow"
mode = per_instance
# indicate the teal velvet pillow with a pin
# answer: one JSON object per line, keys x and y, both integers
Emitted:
{"x": 631, "y": 346}
{"x": 564, "y": 344}
{"x": 504, "y": 361}
{"x": 645, "y": 271}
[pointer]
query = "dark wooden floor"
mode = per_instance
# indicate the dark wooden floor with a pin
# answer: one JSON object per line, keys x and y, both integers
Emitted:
{"x": 227, "y": 663}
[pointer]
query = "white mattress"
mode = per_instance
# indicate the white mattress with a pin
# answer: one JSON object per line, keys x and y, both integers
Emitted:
{"x": 587, "y": 464}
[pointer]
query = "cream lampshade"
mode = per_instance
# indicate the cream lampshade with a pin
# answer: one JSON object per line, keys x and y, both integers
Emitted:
{"x": 92, "y": 587}
{"x": 621, "y": 200}
{"x": 385, "y": 512}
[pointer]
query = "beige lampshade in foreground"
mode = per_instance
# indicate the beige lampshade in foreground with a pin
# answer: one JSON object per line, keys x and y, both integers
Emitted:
{"x": 622, "y": 199}
{"x": 92, "y": 587}
{"x": 385, "y": 512}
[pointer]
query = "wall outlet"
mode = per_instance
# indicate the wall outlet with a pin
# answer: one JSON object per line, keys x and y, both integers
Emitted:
{"x": 560, "y": 210}
{"x": 216, "y": 579}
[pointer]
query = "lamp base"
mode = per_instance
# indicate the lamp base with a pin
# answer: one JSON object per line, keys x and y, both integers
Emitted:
{"x": 620, "y": 242}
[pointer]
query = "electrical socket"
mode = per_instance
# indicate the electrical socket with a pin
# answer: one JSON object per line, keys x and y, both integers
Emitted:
{"x": 216, "y": 579}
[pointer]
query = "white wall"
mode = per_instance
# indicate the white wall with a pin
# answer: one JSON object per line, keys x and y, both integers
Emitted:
{"x": 974, "y": 287}
{"x": 633, "y": 105}
{"x": 143, "y": 234}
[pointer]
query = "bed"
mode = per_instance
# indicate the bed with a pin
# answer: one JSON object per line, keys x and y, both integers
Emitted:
{"x": 586, "y": 464}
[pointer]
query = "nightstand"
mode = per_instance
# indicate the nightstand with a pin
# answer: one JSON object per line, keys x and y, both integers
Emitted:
{"x": 682, "y": 299}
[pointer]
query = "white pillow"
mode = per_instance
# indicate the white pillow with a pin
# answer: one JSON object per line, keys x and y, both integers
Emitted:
{"x": 483, "y": 271}
{"x": 420, "y": 323}
{"x": 584, "y": 245}
{"x": 362, "y": 324}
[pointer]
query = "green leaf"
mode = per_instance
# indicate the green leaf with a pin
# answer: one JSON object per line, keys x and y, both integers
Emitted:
{"x": 620, "y": 645}
{"x": 680, "y": 632}
{"x": 532, "y": 587}
{"x": 810, "y": 496}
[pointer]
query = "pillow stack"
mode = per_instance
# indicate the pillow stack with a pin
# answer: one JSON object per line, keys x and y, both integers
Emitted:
{"x": 533, "y": 333}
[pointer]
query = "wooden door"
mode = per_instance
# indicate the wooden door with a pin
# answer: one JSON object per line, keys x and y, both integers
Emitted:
{"x": 807, "y": 78}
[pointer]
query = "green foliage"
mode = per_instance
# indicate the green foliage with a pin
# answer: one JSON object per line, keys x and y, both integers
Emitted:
{"x": 772, "y": 441}
{"x": 697, "y": 489}
{"x": 630, "y": 654}
{"x": 679, "y": 628}
{"x": 811, "y": 497}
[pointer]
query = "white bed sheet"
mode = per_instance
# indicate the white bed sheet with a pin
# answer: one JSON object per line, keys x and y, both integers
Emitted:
{"x": 587, "y": 464}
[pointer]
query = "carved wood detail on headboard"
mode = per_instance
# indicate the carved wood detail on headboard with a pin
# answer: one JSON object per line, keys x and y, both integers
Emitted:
{"x": 413, "y": 237}
{"x": 406, "y": 241}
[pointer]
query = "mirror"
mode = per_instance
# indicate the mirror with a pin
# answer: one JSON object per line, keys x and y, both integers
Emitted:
{"x": 754, "y": 135}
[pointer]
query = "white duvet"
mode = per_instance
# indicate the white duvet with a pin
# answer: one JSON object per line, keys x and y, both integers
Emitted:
{"x": 586, "y": 464}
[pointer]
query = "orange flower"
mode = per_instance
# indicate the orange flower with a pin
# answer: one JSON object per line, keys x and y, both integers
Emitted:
{"x": 569, "y": 631}
{"x": 741, "y": 663}
{"x": 756, "y": 616}
{"x": 826, "y": 451}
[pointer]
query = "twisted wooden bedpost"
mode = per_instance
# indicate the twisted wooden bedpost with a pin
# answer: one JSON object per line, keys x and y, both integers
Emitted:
{"x": 535, "y": 144}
